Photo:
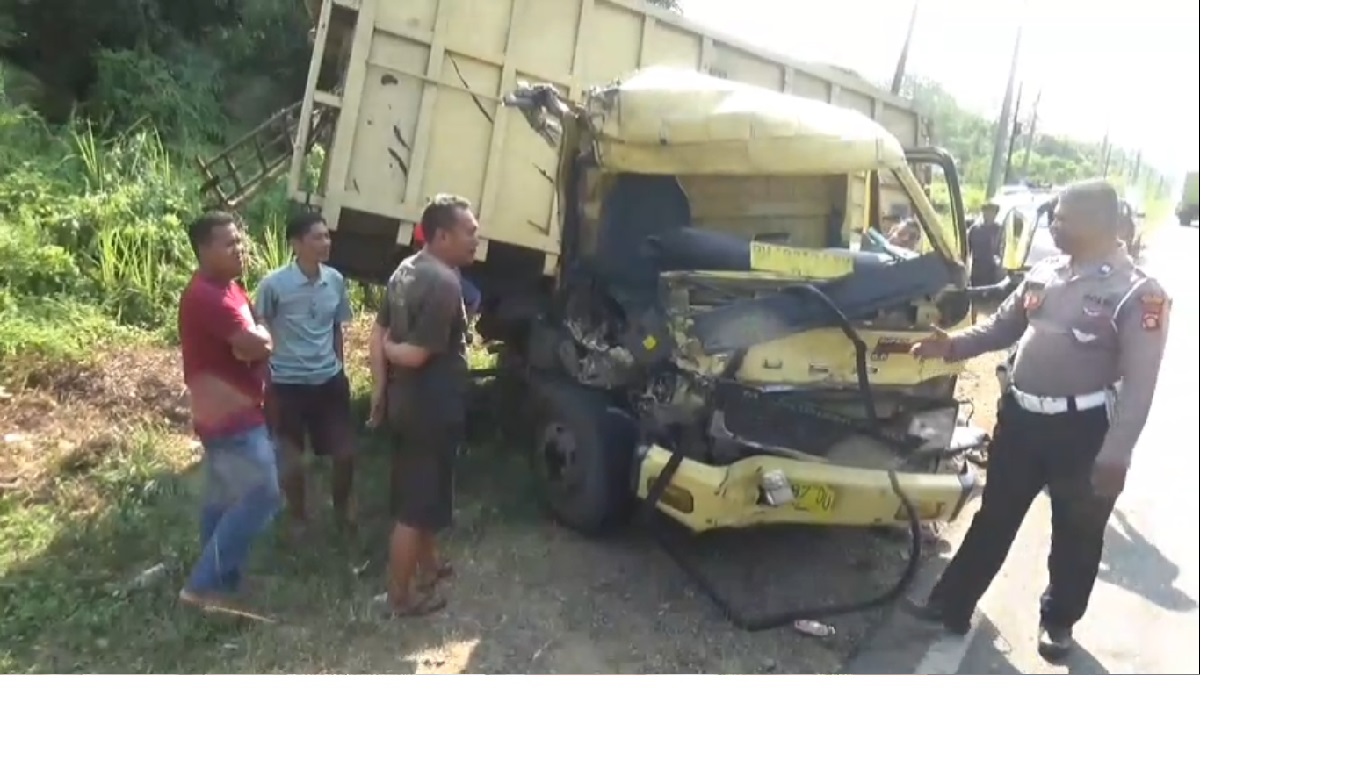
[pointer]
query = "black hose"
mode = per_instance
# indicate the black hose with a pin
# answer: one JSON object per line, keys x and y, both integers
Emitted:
{"x": 689, "y": 567}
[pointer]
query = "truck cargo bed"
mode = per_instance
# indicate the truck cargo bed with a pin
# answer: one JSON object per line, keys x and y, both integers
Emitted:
{"x": 417, "y": 86}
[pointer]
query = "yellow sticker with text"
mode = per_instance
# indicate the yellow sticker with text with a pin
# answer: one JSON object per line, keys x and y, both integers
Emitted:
{"x": 798, "y": 262}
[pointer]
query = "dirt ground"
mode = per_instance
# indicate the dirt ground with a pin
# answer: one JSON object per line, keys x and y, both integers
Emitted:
{"x": 97, "y": 505}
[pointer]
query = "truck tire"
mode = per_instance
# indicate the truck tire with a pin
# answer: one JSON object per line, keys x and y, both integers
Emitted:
{"x": 582, "y": 450}
{"x": 1184, "y": 219}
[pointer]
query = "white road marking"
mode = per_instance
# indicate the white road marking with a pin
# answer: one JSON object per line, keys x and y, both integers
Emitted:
{"x": 945, "y": 655}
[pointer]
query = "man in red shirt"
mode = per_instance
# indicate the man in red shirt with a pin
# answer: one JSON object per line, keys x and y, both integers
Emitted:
{"x": 225, "y": 352}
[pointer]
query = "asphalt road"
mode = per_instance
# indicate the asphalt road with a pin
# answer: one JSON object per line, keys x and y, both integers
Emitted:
{"x": 1144, "y": 615}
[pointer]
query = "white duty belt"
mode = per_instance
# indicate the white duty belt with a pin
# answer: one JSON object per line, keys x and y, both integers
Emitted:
{"x": 1053, "y": 405}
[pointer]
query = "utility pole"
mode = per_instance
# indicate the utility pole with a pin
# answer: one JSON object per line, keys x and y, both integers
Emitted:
{"x": 1105, "y": 154}
{"x": 1014, "y": 133}
{"x": 899, "y": 76}
{"x": 1002, "y": 128}
{"x": 1033, "y": 129}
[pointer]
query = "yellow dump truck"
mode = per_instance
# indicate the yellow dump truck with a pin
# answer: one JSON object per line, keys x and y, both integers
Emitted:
{"x": 403, "y": 99}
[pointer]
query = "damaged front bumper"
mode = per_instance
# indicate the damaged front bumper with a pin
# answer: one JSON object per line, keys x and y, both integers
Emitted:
{"x": 702, "y": 496}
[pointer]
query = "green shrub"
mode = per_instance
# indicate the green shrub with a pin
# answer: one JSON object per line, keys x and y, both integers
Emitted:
{"x": 37, "y": 333}
{"x": 92, "y": 232}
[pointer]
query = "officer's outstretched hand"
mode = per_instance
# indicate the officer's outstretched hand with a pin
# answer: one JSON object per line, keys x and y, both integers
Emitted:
{"x": 932, "y": 347}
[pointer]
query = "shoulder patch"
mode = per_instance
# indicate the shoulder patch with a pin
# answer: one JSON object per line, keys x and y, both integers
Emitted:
{"x": 1156, "y": 307}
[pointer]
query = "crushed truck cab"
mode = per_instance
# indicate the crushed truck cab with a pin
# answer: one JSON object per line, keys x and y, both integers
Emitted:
{"x": 719, "y": 347}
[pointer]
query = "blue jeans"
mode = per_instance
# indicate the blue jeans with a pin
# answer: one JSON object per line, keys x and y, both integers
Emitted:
{"x": 241, "y": 498}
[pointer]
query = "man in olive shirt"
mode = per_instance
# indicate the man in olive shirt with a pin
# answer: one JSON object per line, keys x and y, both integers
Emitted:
{"x": 1091, "y": 329}
{"x": 418, "y": 361}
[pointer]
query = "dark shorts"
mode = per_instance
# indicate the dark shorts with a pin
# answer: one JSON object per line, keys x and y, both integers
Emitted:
{"x": 421, "y": 479}
{"x": 316, "y": 414}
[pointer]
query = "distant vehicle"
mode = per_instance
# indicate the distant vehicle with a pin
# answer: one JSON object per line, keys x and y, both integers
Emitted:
{"x": 1132, "y": 232}
{"x": 1189, "y": 209}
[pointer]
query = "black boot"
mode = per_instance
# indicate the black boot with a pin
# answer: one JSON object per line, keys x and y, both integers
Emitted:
{"x": 933, "y": 612}
{"x": 1054, "y": 643}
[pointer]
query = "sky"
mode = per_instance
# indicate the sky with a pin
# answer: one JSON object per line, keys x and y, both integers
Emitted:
{"x": 1129, "y": 68}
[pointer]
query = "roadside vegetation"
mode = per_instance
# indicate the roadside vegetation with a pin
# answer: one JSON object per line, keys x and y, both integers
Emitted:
{"x": 102, "y": 115}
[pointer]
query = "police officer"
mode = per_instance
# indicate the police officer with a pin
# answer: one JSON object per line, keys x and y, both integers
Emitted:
{"x": 1089, "y": 329}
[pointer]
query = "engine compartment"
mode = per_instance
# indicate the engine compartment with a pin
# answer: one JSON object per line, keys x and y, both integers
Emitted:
{"x": 725, "y": 361}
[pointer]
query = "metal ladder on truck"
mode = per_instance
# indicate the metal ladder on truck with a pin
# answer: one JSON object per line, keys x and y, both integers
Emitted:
{"x": 237, "y": 173}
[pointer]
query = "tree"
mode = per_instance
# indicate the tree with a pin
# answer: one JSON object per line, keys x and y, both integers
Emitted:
{"x": 169, "y": 62}
{"x": 968, "y": 136}
{"x": 668, "y": 5}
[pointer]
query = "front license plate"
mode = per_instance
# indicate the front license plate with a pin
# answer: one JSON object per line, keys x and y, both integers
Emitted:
{"x": 813, "y": 498}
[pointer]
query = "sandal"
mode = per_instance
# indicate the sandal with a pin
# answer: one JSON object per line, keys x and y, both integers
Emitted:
{"x": 425, "y": 605}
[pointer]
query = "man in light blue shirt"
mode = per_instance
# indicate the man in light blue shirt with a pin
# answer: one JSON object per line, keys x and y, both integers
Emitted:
{"x": 304, "y": 305}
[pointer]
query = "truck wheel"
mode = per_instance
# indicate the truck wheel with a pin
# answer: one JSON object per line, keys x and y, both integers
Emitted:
{"x": 582, "y": 449}
{"x": 1184, "y": 219}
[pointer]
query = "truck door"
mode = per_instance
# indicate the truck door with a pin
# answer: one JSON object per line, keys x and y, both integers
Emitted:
{"x": 1016, "y": 228}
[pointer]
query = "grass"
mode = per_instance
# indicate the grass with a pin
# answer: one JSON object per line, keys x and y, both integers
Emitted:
{"x": 99, "y": 484}
{"x": 93, "y": 502}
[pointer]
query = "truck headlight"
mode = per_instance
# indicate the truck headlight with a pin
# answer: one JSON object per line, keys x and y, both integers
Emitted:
{"x": 934, "y": 427}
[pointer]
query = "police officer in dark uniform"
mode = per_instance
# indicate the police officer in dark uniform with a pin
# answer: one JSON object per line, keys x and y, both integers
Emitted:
{"x": 1089, "y": 329}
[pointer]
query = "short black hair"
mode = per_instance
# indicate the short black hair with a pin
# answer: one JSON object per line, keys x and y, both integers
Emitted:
{"x": 1097, "y": 200}
{"x": 442, "y": 212}
{"x": 300, "y": 223}
{"x": 201, "y": 230}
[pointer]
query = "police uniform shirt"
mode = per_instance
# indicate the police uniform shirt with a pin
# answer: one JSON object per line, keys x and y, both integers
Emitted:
{"x": 1082, "y": 331}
